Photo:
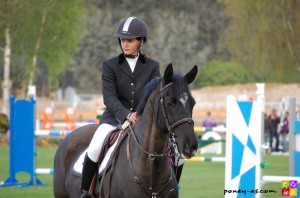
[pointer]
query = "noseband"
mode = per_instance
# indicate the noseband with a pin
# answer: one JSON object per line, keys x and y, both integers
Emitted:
{"x": 152, "y": 156}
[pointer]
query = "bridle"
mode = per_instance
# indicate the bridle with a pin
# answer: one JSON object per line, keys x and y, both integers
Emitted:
{"x": 177, "y": 123}
{"x": 153, "y": 156}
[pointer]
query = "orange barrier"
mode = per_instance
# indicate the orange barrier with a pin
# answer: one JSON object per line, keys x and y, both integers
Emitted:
{"x": 48, "y": 118}
{"x": 70, "y": 118}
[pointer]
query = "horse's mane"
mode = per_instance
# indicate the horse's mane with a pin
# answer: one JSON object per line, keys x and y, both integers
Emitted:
{"x": 179, "y": 87}
{"x": 146, "y": 93}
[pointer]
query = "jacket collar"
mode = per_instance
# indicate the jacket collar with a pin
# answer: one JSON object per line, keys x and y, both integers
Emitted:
{"x": 122, "y": 58}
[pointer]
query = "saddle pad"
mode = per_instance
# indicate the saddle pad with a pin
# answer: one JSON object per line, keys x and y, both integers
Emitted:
{"x": 78, "y": 165}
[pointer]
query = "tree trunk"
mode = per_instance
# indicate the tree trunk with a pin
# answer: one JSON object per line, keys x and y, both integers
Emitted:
{"x": 37, "y": 47}
{"x": 6, "y": 80}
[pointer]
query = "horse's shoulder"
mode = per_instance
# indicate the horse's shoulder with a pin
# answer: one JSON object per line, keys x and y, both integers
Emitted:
{"x": 86, "y": 130}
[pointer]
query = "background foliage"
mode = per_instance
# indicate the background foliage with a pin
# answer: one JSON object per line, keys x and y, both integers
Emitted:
{"x": 262, "y": 36}
{"x": 47, "y": 31}
{"x": 236, "y": 40}
{"x": 222, "y": 73}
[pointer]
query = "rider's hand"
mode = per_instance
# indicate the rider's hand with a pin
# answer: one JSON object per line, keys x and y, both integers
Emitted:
{"x": 133, "y": 117}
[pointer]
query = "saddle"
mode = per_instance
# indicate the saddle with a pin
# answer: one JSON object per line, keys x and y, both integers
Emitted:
{"x": 112, "y": 138}
{"x": 118, "y": 134}
{"x": 108, "y": 142}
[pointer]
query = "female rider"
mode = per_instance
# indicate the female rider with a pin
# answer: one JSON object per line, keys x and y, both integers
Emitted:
{"x": 123, "y": 79}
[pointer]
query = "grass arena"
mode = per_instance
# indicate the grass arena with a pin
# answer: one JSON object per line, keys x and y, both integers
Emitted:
{"x": 200, "y": 178}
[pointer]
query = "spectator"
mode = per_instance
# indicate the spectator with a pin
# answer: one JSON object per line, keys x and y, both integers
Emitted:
{"x": 274, "y": 122}
{"x": 267, "y": 131}
{"x": 209, "y": 121}
{"x": 284, "y": 130}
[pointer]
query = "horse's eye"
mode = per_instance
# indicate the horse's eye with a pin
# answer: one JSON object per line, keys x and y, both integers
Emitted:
{"x": 171, "y": 102}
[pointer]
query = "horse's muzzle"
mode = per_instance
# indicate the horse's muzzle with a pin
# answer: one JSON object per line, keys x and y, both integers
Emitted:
{"x": 189, "y": 151}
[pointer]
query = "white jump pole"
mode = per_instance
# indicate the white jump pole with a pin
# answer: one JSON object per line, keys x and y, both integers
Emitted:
{"x": 278, "y": 179}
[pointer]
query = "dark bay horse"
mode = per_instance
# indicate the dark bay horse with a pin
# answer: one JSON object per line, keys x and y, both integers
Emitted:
{"x": 141, "y": 167}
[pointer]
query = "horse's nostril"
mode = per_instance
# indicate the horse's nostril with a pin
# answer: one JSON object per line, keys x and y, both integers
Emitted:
{"x": 195, "y": 147}
{"x": 187, "y": 149}
{"x": 190, "y": 150}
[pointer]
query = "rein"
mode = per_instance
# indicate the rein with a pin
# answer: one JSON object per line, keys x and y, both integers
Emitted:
{"x": 153, "y": 156}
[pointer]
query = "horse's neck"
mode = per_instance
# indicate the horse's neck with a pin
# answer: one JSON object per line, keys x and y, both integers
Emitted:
{"x": 151, "y": 141}
{"x": 150, "y": 137}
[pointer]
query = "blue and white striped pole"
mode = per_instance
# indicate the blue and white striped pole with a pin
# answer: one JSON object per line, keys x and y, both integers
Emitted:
{"x": 297, "y": 153}
{"x": 47, "y": 171}
{"x": 52, "y": 132}
{"x": 297, "y": 149}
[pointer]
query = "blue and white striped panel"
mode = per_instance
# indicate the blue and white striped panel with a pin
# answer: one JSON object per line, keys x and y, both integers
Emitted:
{"x": 243, "y": 137}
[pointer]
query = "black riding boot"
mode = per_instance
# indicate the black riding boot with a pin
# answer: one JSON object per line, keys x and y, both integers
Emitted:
{"x": 88, "y": 172}
{"x": 178, "y": 171}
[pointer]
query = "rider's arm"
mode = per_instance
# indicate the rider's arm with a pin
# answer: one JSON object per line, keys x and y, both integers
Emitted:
{"x": 110, "y": 95}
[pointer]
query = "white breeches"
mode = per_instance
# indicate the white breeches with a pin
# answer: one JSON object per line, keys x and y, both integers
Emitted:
{"x": 96, "y": 144}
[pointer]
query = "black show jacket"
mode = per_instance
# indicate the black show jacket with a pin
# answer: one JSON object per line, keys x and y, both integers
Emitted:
{"x": 122, "y": 88}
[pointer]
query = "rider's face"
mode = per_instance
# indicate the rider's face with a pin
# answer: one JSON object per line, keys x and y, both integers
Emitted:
{"x": 130, "y": 46}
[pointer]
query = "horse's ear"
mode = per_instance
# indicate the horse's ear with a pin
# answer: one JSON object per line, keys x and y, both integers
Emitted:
{"x": 168, "y": 74}
{"x": 191, "y": 75}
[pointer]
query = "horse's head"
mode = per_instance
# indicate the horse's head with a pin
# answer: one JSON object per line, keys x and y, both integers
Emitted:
{"x": 177, "y": 105}
{"x": 168, "y": 103}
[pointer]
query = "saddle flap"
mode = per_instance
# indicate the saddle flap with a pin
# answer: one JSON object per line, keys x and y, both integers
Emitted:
{"x": 110, "y": 143}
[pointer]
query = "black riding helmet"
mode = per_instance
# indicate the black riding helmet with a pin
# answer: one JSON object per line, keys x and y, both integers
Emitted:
{"x": 131, "y": 28}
